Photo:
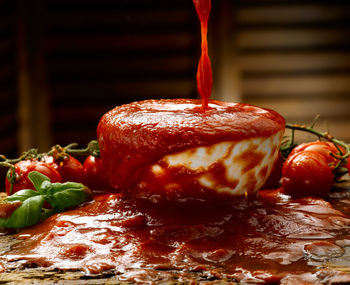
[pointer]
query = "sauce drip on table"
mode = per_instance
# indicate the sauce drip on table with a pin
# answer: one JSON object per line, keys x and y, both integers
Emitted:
{"x": 271, "y": 239}
{"x": 204, "y": 71}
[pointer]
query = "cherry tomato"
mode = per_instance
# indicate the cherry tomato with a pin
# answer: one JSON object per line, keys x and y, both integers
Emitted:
{"x": 306, "y": 173}
{"x": 71, "y": 170}
{"x": 95, "y": 175}
{"x": 69, "y": 167}
{"x": 23, "y": 168}
{"x": 348, "y": 165}
{"x": 321, "y": 147}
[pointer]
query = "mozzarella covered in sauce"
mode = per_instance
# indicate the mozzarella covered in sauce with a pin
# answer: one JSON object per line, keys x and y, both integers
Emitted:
{"x": 175, "y": 150}
{"x": 231, "y": 167}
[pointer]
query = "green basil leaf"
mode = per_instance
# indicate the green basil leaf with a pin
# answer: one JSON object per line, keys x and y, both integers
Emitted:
{"x": 39, "y": 180}
{"x": 22, "y": 195}
{"x": 28, "y": 214}
{"x": 66, "y": 195}
{"x": 61, "y": 186}
{"x": 46, "y": 188}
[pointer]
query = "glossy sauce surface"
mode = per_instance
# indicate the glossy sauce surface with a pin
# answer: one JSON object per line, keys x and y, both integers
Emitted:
{"x": 7, "y": 208}
{"x": 133, "y": 136}
{"x": 269, "y": 239}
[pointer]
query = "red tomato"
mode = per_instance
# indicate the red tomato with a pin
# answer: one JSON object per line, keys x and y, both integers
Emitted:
{"x": 23, "y": 168}
{"x": 321, "y": 147}
{"x": 70, "y": 168}
{"x": 348, "y": 165}
{"x": 306, "y": 173}
{"x": 95, "y": 175}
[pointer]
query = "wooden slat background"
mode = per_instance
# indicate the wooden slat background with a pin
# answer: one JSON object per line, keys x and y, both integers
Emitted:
{"x": 294, "y": 57}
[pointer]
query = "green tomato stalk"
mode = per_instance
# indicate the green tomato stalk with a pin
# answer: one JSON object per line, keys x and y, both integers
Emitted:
{"x": 91, "y": 149}
{"x": 71, "y": 149}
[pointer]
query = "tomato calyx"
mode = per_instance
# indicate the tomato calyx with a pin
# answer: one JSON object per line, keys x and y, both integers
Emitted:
{"x": 12, "y": 177}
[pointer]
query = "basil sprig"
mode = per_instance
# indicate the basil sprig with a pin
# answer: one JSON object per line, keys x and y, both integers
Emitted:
{"x": 33, "y": 210}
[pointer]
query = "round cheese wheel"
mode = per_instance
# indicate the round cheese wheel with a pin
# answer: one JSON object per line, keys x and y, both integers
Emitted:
{"x": 175, "y": 150}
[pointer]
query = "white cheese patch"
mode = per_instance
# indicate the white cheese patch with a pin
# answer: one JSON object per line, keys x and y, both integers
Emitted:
{"x": 199, "y": 157}
{"x": 237, "y": 159}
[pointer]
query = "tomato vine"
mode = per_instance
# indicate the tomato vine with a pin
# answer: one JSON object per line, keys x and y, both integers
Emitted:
{"x": 71, "y": 149}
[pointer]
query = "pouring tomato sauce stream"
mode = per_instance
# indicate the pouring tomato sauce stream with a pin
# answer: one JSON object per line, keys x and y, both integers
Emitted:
{"x": 204, "y": 71}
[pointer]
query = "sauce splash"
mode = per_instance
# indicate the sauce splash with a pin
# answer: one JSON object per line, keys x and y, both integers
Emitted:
{"x": 204, "y": 72}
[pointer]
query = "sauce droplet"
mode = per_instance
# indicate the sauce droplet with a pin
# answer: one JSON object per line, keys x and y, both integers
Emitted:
{"x": 204, "y": 72}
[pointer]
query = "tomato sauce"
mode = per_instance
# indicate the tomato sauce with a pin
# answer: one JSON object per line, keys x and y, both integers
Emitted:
{"x": 204, "y": 71}
{"x": 269, "y": 239}
{"x": 7, "y": 208}
{"x": 133, "y": 136}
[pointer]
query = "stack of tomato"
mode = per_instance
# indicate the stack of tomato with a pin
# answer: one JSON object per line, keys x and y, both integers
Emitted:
{"x": 60, "y": 168}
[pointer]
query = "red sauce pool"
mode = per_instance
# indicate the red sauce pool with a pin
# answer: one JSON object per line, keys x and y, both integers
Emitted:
{"x": 270, "y": 239}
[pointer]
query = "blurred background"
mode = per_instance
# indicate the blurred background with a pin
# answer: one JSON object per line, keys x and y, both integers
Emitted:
{"x": 64, "y": 63}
